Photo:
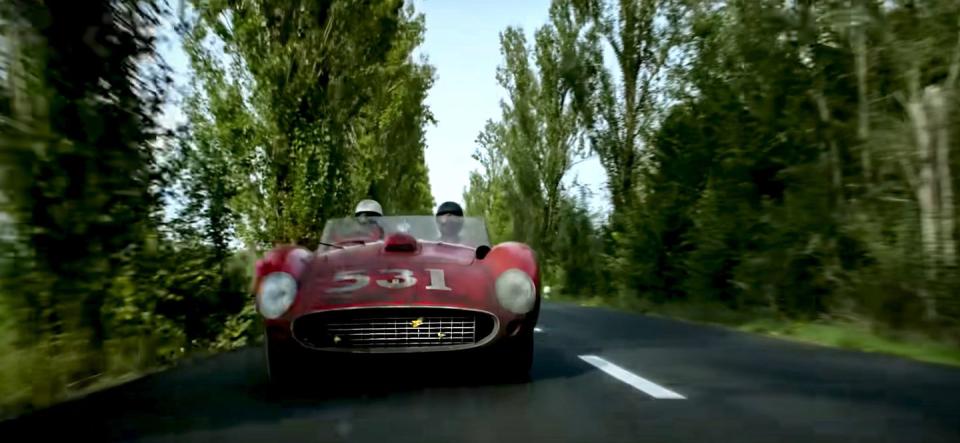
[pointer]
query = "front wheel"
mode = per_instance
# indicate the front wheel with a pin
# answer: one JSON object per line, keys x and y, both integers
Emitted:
{"x": 517, "y": 358}
{"x": 280, "y": 363}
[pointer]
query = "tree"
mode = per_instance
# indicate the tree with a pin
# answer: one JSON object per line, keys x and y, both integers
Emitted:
{"x": 487, "y": 194}
{"x": 929, "y": 68}
{"x": 625, "y": 108}
{"x": 540, "y": 134}
{"x": 800, "y": 168}
{"x": 526, "y": 155}
{"x": 79, "y": 168}
{"x": 392, "y": 125}
{"x": 334, "y": 97}
{"x": 578, "y": 245}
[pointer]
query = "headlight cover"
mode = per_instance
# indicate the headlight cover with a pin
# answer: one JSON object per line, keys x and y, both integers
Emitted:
{"x": 515, "y": 291}
{"x": 277, "y": 292}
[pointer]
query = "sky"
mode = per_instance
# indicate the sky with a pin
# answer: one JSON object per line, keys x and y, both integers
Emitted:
{"x": 462, "y": 43}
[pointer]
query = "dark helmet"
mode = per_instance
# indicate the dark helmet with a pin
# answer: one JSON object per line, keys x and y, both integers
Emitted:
{"x": 450, "y": 208}
{"x": 449, "y": 221}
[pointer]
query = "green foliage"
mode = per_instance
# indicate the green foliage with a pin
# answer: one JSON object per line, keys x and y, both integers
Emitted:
{"x": 764, "y": 158}
{"x": 295, "y": 112}
{"x": 526, "y": 155}
{"x": 79, "y": 196}
{"x": 772, "y": 227}
{"x": 762, "y": 192}
{"x": 488, "y": 192}
{"x": 309, "y": 107}
{"x": 794, "y": 163}
{"x": 240, "y": 330}
{"x": 579, "y": 251}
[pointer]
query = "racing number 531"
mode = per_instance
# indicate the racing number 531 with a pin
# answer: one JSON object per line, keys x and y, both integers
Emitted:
{"x": 399, "y": 279}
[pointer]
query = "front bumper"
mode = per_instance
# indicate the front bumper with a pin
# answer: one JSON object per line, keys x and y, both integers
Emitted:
{"x": 398, "y": 329}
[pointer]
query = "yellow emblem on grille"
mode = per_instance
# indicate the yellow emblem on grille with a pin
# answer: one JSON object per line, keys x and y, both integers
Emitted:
{"x": 336, "y": 339}
{"x": 416, "y": 323}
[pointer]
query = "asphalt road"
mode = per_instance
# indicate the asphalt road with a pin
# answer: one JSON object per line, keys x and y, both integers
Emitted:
{"x": 640, "y": 379}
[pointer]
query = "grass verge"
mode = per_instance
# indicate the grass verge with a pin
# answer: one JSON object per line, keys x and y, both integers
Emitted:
{"x": 33, "y": 378}
{"x": 12, "y": 392}
{"x": 859, "y": 336}
{"x": 36, "y": 378}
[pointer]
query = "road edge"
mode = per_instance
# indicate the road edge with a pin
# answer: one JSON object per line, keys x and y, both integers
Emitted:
{"x": 953, "y": 361}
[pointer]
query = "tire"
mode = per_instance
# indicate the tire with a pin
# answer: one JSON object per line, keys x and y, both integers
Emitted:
{"x": 517, "y": 358}
{"x": 280, "y": 363}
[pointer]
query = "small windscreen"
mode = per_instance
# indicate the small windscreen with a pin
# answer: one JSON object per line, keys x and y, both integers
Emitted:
{"x": 422, "y": 227}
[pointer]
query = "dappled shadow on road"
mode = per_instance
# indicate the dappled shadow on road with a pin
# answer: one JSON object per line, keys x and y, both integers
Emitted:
{"x": 232, "y": 390}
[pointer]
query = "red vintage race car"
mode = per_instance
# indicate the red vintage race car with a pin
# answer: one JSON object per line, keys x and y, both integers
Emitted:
{"x": 389, "y": 286}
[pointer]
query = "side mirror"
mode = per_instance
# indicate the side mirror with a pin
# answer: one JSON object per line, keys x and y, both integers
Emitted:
{"x": 482, "y": 251}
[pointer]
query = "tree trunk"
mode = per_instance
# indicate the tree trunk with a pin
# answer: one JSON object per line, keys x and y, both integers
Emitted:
{"x": 836, "y": 171}
{"x": 554, "y": 196}
{"x": 939, "y": 108}
{"x": 925, "y": 191}
{"x": 863, "y": 106}
{"x": 943, "y": 105}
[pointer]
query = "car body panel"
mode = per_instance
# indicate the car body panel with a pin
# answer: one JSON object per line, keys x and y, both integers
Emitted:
{"x": 372, "y": 276}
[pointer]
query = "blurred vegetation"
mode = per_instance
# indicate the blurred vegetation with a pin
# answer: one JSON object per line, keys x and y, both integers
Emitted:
{"x": 785, "y": 167}
{"x": 780, "y": 161}
{"x": 847, "y": 333}
{"x": 125, "y": 245}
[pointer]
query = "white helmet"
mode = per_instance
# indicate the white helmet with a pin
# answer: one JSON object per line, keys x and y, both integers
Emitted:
{"x": 368, "y": 207}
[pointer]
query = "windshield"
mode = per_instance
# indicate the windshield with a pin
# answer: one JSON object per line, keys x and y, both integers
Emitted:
{"x": 422, "y": 227}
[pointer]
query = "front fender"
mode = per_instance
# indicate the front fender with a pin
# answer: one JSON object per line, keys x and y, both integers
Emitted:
{"x": 517, "y": 255}
{"x": 514, "y": 255}
{"x": 291, "y": 259}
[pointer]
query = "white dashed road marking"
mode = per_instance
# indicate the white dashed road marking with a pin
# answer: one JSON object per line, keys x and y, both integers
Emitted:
{"x": 651, "y": 388}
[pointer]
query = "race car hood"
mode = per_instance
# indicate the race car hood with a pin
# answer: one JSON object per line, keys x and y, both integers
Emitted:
{"x": 434, "y": 274}
{"x": 426, "y": 252}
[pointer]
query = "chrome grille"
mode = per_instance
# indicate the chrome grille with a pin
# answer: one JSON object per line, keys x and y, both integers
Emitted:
{"x": 392, "y": 328}
{"x": 407, "y": 331}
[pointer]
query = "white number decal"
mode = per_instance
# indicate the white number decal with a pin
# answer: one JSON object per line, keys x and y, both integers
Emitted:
{"x": 359, "y": 279}
{"x": 400, "y": 279}
{"x": 437, "y": 280}
{"x": 403, "y": 278}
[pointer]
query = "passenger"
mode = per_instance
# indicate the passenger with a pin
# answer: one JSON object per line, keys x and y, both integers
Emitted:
{"x": 450, "y": 222}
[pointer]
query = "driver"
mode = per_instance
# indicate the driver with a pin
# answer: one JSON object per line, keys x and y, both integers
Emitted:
{"x": 367, "y": 208}
{"x": 450, "y": 222}
{"x": 367, "y": 212}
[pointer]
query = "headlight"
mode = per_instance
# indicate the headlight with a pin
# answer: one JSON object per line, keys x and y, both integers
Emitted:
{"x": 277, "y": 292}
{"x": 515, "y": 291}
